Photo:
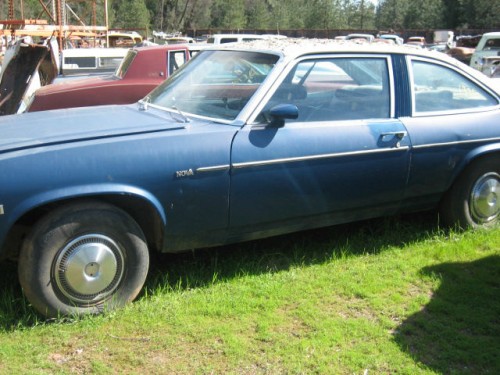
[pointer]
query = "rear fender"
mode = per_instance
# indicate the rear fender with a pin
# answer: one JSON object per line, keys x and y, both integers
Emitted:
{"x": 475, "y": 154}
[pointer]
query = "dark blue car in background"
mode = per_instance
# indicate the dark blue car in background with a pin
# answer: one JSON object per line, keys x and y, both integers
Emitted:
{"x": 243, "y": 142}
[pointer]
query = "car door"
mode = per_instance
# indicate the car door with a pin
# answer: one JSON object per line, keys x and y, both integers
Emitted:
{"x": 344, "y": 158}
{"x": 452, "y": 115}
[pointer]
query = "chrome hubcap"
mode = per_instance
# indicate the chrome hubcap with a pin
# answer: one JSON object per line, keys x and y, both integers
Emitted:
{"x": 484, "y": 202}
{"x": 89, "y": 269}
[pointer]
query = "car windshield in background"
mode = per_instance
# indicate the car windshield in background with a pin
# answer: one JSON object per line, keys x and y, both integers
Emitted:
{"x": 217, "y": 84}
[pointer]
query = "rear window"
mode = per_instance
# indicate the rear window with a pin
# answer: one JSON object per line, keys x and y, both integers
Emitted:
{"x": 121, "y": 71}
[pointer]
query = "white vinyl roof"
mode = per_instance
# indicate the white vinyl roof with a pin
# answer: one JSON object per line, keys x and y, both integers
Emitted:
{"x": 294, "y": 47}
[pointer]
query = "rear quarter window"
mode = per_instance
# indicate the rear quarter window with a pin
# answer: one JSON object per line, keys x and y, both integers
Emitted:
{"x": 438, "y": 88}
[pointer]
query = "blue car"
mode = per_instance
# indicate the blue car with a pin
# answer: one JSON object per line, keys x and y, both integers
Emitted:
{"x": 243, "y": 142}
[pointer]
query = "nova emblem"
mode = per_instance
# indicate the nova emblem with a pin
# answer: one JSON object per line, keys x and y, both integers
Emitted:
{"x": 185, "y": 173}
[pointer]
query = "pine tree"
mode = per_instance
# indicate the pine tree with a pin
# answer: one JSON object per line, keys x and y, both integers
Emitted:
{"x": 132, "y": 14}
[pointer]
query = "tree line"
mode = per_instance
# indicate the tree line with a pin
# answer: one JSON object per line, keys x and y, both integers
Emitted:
{"x": 181, "y": 15}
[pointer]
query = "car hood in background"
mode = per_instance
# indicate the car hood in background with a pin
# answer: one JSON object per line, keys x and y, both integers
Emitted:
{"x": 69, "y": 125}
{"x": 26, "y": 67}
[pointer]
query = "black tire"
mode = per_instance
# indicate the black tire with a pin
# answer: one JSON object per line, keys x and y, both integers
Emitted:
{"x": 83, "y": 259}
{"x": 474, "y": 199}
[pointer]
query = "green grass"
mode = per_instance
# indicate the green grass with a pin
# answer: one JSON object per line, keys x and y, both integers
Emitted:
{"x": 396, "y": 295}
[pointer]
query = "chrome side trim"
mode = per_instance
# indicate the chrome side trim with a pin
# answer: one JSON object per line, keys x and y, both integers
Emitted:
{"x": 215, "y": 168}
{"x": 316, "y": 157}
{"x": 218, "y": 168}
{"x": 457, "y": 143}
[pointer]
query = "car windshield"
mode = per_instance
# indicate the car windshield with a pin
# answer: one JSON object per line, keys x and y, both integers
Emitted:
{"x": 121, "y": 71}
{"x": 216, "y": 84}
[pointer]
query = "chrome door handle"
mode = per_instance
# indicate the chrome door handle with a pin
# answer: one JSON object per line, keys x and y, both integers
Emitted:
{"x": 399, "y": 134}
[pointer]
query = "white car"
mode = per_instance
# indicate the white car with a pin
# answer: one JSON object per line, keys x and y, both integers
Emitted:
{"x": 365, "y": 37}
{"x": 396, "y": 39}
{"x": 489, "y": 45}
{"x": 234, "y": 38}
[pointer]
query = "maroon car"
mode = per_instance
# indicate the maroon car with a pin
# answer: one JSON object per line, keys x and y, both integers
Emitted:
{"x": 142, "y": 69}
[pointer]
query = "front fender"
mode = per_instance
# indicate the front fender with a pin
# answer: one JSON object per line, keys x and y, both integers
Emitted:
{"x": 87, "y": 191}
{"x": 12, "y": 214}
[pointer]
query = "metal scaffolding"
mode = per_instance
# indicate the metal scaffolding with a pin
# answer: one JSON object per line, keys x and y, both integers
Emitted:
{"x": 53, "y": 20}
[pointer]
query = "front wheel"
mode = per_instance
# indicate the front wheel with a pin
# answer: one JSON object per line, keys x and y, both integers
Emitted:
{"x": 82, "y": 259}
{"x": 473, "y": 201}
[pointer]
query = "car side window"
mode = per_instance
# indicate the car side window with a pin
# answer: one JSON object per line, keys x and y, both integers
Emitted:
{"x": 176, "y": 59}
{"x": 81, "y": 62}
{"x": 439, "y": 88}
{"x": 492, "y": 45}
{"x": 228, "y": 40}
{"x": 347, "y": 88}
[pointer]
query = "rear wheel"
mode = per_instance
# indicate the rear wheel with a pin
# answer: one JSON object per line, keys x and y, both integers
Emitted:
{"x": 473, "y": 201}
{"x": 83, "y": 259}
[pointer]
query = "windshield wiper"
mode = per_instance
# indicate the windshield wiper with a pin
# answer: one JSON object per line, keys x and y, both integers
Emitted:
{"x": 183, "y": 118}
{"x": 146, "y": 102}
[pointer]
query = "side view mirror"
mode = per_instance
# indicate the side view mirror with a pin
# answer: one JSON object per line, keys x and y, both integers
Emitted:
{"x": 281, "y": 112}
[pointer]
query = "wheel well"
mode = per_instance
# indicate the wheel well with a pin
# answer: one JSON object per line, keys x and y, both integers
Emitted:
{"x": 139, "y": 209}
{"x": 467, "y": 165}
{"x": 458, "y": 206}
{"x": 472, "y": 161}
{"x": 480, "y": 158}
